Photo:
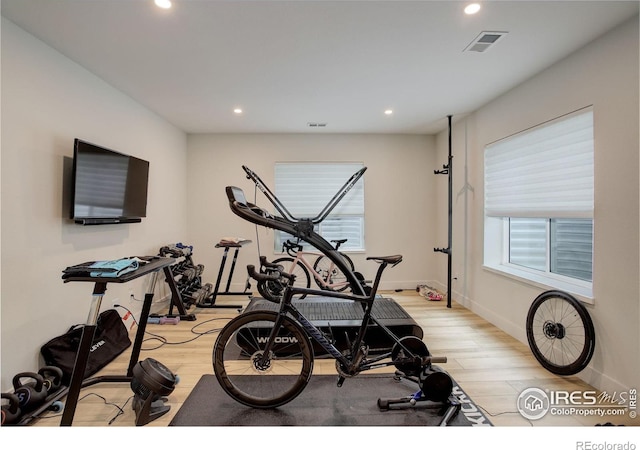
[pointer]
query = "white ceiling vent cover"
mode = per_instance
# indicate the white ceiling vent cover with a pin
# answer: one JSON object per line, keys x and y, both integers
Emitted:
{"x": 484, "y": 41}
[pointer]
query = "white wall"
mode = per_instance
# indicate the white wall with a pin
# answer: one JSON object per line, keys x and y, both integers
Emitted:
{"x": 399, "y": 196}
{"x": 603, "y": 74}
{"x": 47, "y": 101}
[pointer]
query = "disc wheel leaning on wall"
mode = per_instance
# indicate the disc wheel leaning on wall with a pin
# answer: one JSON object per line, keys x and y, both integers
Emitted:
{"x": 560, "y": 333}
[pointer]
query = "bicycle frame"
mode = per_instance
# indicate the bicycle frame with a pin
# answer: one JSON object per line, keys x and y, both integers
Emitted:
{"x": 355, "y": 362}
{"x": 299, "y": 256}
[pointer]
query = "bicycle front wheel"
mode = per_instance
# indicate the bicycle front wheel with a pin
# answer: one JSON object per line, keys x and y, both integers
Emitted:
{"x": 334, "y": 278}
{"x": 249, "y": 374}
{"x": 298, "y": 269}
{"x": 560, "y": 333}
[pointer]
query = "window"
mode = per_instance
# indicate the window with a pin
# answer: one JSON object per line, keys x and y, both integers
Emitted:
{"x": 306, "y": 188}
{"x": 539, "y": 204}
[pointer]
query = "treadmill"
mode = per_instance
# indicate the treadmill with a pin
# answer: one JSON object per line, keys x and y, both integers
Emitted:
{"x": 335, "y": 317}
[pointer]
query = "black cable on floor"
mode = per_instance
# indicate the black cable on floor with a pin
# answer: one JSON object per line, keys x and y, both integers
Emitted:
{"x": 164, "y": 341}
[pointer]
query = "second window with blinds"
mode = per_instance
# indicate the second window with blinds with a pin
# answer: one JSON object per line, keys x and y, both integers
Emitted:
{"x": 305, "y": 188}
{"x": 539, "y": 204}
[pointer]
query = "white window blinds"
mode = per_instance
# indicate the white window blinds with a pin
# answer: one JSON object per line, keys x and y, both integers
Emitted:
{"x": 546, "y": 171}
{"x": 306, "y": 188}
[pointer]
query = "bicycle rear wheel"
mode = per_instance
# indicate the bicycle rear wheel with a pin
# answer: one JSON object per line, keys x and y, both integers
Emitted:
{"x": 248, "y": 375}
{"x": 560, "y": 333}
{"x": 331, "y": 274}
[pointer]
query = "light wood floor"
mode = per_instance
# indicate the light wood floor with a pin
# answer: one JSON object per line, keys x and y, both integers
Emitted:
{"x": 492, "y": 367}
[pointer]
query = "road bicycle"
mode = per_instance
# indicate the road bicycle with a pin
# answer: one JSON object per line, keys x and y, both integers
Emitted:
{"x": 560, "y": 333}
{"x": 264, "y": 359}
{"x": 326, "y": 274}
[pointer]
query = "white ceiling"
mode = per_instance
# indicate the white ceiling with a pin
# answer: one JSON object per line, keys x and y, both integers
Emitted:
{"x": 288, "y": 63}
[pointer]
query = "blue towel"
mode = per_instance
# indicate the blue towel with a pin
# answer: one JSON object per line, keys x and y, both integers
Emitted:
{"x": 114, "y": 268}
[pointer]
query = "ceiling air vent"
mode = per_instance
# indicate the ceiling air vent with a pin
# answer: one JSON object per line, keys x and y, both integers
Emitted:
{"x": 484, "y": 41}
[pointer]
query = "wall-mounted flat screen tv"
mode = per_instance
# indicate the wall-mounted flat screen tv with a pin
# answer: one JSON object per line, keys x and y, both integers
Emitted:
{"x": 107, "y": 186}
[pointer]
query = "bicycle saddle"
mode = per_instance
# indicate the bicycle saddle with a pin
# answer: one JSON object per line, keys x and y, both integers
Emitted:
{"x": 393, "y": 260}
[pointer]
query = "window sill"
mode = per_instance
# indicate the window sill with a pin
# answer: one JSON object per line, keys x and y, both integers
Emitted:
{"x": 580, "y": 291}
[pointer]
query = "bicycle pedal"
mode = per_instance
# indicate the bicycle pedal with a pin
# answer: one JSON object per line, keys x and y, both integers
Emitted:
{"x": 340, "y": 381}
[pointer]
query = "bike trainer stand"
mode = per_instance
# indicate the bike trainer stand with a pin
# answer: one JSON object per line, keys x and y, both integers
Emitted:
{"x": 449, "y": 408}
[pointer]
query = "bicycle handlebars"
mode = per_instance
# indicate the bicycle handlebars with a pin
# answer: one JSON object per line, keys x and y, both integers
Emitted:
{"x": 277, "y": 273}
{"x": 270, "y": 265}
{"x": 291, "y": 247}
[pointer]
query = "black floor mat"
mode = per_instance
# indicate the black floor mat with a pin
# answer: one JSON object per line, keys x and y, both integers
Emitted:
{"x": 322, "y": 403}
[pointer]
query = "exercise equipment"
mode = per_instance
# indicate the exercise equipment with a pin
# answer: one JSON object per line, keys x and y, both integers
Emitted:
{"x": 40, "y": 395}
{"x": 152, "y": 266}
{"x": 150, "y": 383}
{"x": 301, "y": 228}
{"x": 11, "y": 411}
{"x": 448, "y": 170}
{"x": 291, "y": 342}
{"x": 209, "y": 301}
{"x": 31, "y": 394}
{"x": 436, "y": 391}
{"x": 305, "y": 265}
{"x": 270, "y": 341}
{"x": 52, "y": 377}
{"x": 163, "y": 320}
{"x": 338, "y": 318}
{"x": 435, "y": 384}
{"x": 185, "y": 278}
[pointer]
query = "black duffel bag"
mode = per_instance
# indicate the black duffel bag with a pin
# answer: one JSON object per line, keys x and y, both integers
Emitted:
{"x": 111, "y": 338}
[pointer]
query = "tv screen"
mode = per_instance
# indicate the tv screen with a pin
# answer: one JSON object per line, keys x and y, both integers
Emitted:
{"x": 107, "y": 186}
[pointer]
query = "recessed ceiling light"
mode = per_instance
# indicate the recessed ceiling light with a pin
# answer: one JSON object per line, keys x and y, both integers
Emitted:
{"x": 237, "y": 111}
{"x": 472, "y": 8}
{"x": 164, "y": 4}
{"x": 388, "y": 112}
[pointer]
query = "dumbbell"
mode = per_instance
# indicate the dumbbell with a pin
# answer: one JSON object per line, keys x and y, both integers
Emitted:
{"x": 52, "y": 377}
{"x": 186, "y": 249}
{"x": 203, "y": 293}
{"x": 190, "y": 273}
{"x": 11, "y": 411}
{"x": 30, "y": 394}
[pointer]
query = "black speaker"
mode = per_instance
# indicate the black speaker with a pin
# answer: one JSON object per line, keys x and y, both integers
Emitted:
{"x": 151, "y": 383}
